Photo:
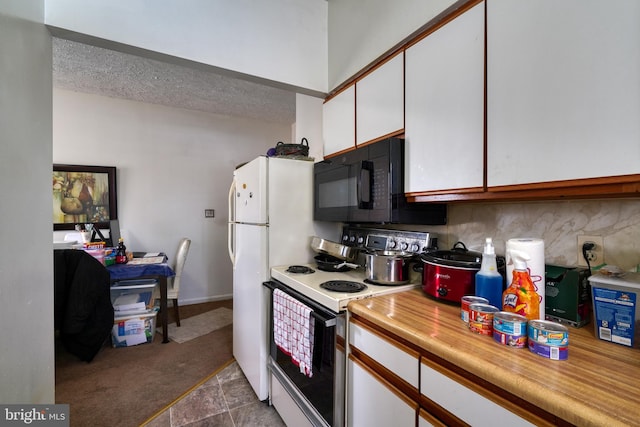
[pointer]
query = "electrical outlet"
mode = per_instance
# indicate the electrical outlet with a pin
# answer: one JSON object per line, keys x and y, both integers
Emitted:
{"x": 595, "y": 255}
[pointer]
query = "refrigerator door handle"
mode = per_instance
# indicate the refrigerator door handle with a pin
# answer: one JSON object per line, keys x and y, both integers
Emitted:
{"x": 232, "y": 201}
{"x": 230, "y": 224}
{"x": 232, "y": 255}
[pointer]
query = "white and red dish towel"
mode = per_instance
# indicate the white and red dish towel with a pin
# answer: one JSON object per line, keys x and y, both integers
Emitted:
{"x": 293, "y": 330}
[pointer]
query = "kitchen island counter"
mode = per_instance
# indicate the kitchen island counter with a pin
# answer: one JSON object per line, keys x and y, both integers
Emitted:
{"x": 598, "y": 385}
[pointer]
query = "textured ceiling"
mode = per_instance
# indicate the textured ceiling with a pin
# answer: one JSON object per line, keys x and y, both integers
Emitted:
{"x": 86, "y": 68}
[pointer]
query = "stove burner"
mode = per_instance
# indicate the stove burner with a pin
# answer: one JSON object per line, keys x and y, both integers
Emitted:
{"x": 343, "y": 286}
{"x": 300, "y": 269}
{"x": 333, "y": 269}
{"x": 371, "y": 282}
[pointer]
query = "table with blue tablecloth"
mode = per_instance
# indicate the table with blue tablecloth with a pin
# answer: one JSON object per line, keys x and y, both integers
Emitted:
{"x": 159, "y": 272}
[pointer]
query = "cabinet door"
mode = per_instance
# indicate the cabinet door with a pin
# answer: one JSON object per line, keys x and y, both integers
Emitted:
{"x": 380, "y": 101}
{"x": 372, "y": 401}
{"x": 444, "y": 116}
{"x": 563, "y": 90}
{"x": 425, "y": 419}
{"x": 339, "y": 122}
{"x": 404, "y": 363}
{"x": 463, "y": 402}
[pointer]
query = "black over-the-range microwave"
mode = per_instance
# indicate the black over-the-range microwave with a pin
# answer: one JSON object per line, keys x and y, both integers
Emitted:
{"x": 366, "y": 185}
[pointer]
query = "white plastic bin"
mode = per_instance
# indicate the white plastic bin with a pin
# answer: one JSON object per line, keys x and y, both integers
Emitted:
{"x": 132, "y": 297}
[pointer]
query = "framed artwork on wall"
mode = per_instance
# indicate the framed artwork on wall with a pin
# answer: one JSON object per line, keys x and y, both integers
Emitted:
{"x": 83, "y": 195}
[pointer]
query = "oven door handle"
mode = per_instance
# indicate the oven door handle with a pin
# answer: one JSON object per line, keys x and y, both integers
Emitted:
{"x": 318, "y": 312}
{"x": 326, "y": 322}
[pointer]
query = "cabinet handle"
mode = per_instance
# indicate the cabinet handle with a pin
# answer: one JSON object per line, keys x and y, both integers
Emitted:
{"x": 365, "y": 185}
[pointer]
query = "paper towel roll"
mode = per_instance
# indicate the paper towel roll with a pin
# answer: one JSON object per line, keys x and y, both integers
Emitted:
{"x": 535, "y": 249}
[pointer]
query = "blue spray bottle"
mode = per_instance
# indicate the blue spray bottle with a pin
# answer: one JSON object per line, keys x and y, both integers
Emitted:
{"x": 488, "y": 280}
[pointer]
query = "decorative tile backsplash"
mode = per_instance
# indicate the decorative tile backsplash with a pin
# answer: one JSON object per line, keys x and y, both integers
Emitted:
{"x": 558, "y": 223}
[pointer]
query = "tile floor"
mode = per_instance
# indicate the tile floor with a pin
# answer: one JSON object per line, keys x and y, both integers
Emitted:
{"x": 225, "y": 400}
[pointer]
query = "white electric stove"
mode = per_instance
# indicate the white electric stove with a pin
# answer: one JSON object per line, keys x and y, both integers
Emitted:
{"x": 308, "y": 284}
{"x": 301, "y": 400}
{"x": 310, "y": 280}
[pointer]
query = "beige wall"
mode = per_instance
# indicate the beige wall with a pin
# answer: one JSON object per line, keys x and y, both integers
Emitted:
{"x": 26, "y": 262}
{"x": 172, "y": 164}
{"x": 362, "y": 30}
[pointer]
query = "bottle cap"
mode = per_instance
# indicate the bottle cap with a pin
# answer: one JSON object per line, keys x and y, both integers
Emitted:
{"x": 488, "y": 246}
{"x": 519, "y": 259}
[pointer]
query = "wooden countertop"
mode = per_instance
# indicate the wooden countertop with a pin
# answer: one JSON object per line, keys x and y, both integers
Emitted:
{"x": 598, "y": 385}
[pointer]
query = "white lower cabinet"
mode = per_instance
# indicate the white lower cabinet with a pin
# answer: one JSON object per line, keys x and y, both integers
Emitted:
{"x": 464, "y": 403}
{"x": 382, "y": 380}
{"x": 400, "y": 361}
{"x": 373, "y": 401}
{"x": 390, "y": 382}
{"x": 425, "y": 419}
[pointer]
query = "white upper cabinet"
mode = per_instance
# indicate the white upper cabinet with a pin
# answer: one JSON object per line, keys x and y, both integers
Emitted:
{"x": 380, "y": 101}
{"x": 563, "y": 90}
{"x": 444, "y": 115}
{"x": 339, "y": 121}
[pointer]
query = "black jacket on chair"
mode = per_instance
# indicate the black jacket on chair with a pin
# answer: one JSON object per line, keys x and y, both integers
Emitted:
{"x": 82, "y": 300}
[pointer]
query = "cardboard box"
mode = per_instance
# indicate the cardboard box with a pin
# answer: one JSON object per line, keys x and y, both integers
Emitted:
{"x": 133, "y": 330}
{"x": 616, "y": 309}
{"x": 567, "y": 296}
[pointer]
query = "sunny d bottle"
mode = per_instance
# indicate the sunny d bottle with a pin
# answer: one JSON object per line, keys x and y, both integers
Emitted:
{"x": 121, "y": 252}
{"x": 488, "y": 280}
{"x": 521, "y": 296}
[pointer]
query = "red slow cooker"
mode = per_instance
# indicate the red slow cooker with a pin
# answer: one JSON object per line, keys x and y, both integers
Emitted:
{"x": 450, "y": 274}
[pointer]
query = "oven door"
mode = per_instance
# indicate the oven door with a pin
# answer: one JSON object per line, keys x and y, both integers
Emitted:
{"x": 321, "y": 397}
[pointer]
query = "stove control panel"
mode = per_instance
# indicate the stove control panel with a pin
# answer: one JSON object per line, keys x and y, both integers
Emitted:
{"x": 387, "y": 239}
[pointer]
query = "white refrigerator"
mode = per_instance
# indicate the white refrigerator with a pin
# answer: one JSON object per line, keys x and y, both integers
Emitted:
{"x": 270, "y": 224}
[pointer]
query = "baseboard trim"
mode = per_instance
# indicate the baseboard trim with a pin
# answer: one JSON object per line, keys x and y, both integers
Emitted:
{"x": 204, "y": 299}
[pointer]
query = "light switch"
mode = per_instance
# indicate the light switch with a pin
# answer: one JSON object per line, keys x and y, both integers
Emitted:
{"x": 209, "y": 213}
